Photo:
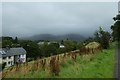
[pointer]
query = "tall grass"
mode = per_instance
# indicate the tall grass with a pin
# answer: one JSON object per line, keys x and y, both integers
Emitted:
{"x": 101, "y": 66}
{"x": 87, "y": 65}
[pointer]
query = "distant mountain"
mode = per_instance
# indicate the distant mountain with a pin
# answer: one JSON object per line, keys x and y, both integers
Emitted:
{"x": 51, "y": 37}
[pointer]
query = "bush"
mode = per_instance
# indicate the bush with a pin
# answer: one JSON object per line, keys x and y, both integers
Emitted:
{"x": 29, "y": 59}
{"x": 54, "y": 66}
{"x": 3, "y": 65}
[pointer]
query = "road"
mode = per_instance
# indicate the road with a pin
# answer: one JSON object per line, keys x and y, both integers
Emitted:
{"x": 117, "y": 64}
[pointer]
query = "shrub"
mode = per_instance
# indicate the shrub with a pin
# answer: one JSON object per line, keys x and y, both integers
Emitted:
{"x": 54, "y": 66}
{"x": 3, "y": 65}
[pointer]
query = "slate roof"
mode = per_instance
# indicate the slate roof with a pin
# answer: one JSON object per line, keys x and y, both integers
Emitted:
{"x": 4, "y": 52}
{"x": 0, "y": 55}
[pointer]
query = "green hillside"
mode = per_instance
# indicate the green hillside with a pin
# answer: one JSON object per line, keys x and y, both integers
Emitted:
{"x": 98, "y": 65}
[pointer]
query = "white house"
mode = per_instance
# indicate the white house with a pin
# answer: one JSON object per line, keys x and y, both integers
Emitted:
{"x": 41, "y": 43}
{"x": 11, "y": 56}
{"x": 61, "y": 46}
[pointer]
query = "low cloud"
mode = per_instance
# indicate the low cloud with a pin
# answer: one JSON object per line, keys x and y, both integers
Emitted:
{"x": 27, "y": 19}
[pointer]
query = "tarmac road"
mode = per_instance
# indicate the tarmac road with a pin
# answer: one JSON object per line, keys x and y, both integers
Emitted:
{"x": 117, "y": 64}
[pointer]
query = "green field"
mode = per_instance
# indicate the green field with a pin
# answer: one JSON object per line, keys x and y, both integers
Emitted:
{"x": 99, "y": 65}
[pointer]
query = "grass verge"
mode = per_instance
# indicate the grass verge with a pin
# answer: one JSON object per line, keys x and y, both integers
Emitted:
{"x": 99, "y": 65}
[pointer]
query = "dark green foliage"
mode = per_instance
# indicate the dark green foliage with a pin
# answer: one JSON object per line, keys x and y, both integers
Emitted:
{"x": 43, "y": 49}
{"x": 70, "y": 45}
{"x": 62, "y": 42}
{"x": 31, "y": 47}
{"x": 29, "y": 59}
{"x": 49, "y": 49}
{"x": 3, "y": 65}
{"x": 10, "y": 42}
{"x": 7, "y": 41}
{"x": 52, "y": 48}
{"x": 102, "y": 37}
{"x": 16, "y": 40}
{"x": 60, "y": 50}
{"x": 116, "y": 28}
{"x": 117, "y": 17}
{"x": 105, "y": 40}
{"x": 7, "y": 38}
{"x": 80, "y": 45}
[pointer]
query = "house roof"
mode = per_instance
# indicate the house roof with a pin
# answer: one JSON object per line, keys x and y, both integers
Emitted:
{"x": 4, "y": 52}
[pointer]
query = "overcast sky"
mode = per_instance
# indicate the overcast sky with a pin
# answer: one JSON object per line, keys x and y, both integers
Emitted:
{"x": 27, "y": 19}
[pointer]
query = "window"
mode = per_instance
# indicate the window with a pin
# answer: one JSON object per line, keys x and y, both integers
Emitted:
{"x": 9, "y": 62}
{"x": 18, "y": 56}
{"x": 22, "y": 55}
{"x": 4, "y": 57}
{"x": 23, "y": 59}
{"x": 9, "y": 57}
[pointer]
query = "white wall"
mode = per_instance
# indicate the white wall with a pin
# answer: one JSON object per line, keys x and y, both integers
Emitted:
{"x": 62, "y": 46}
{"x": 0, "y": 60}
{"x": 9, "y": 61}
{"x": 23, "y": 57}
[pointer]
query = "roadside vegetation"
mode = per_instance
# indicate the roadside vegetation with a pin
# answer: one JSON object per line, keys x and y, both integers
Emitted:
{"x": 116, "y": 29}
{"x": 97, "y": 65}
{"x": 48, "y": 48}
{"x": 92, "y": 58}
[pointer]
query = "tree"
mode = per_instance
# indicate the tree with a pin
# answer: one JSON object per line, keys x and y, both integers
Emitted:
{"x": 7, "y": 38}
{"x": 60, "y": 50}
{"x": 102, "y": 37}
{"x": 16, "y": 40}
{"x": 6, "y": 43}
{"x": 44, "y": 50}
{"x": 70, "y": 45}
{"x": 80, "y": 45}
{"x": 116, "y": 28}
{"x": 49, "y": 49}
{"x": 3, "y": 65}
{"x": 31, "y": 47}
{"x": 62, "y": 42}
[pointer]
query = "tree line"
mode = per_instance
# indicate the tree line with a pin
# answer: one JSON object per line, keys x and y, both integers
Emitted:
{"x": 35, "y": 50}
{"x": 116, "y": 29}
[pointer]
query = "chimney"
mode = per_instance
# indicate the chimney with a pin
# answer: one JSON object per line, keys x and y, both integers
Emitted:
{"x": 7, "y": 48}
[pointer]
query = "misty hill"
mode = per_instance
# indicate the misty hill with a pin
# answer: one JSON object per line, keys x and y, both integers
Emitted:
{"x": 51, "y": 37}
